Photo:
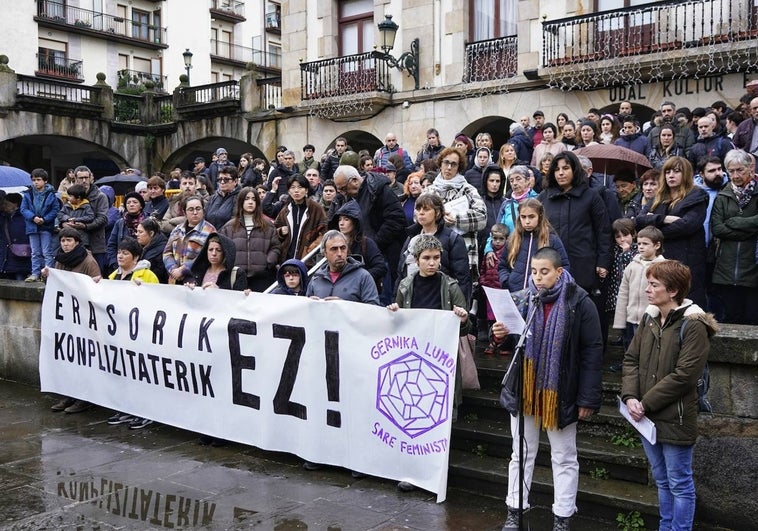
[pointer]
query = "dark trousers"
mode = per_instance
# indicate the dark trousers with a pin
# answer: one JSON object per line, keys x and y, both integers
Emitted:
{"x": 740, "y": 303}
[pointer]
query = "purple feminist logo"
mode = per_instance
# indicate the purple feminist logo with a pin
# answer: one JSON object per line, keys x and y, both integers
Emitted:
{"x": 412, "y": 394}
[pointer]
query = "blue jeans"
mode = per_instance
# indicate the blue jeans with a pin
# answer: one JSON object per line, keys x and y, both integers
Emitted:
{"x": 672, "y": 472}
{"x": 42, "y": 251}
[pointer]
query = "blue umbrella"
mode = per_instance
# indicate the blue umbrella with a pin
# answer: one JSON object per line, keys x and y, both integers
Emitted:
{"x": 14, "y": 179}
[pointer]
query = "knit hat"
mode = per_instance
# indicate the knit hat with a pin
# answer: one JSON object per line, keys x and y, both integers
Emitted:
{"x": 349, "y": 158}
{"x": 142, "y": 185}
{"x": 136, "y": 196}
{"x": 219, "y": 151}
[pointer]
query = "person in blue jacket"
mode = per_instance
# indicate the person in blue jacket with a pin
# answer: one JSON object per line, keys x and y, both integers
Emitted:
{"x": 40, "y": 207}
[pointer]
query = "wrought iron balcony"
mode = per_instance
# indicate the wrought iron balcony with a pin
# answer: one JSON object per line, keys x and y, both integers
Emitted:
{"x": 57, "y": 14}
{"x": 344, "y": 76}
{"x": 491, "y": 59}
{"x": 135, "y": 78}
{"x": 60, "y": 68}
{"x": 229, "y": 10}
{"x": 652, "y": 28}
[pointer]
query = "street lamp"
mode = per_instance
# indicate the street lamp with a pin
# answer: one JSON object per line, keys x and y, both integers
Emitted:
{"x": 408, "y": 61}
{"x": 187, "y": 62}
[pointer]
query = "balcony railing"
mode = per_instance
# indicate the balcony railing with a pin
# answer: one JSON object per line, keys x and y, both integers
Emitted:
{"x": 68, "y": 69}
{"x": 267, "y": 59}
{"x": 491, "y": 59}
{"x": 648, "y": 29}
{"x": 57, "y": 90}
{"x": 135, "y": 78}
{"x": 230, "y": 52}
{"x": 271, "y": 92}
{"x": 344, "y": 76}
{"x": 213, "y": 93}
{"x": 229, "y": 9}
{"x": 87, "y": 21}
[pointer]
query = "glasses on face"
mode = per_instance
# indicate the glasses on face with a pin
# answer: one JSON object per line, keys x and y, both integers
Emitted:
{"x": 194, "y": 210}
{"x": 225, "y": 179}
{"x": 450, "y": 163}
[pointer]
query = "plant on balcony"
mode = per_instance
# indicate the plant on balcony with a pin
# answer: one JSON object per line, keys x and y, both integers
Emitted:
{"x": 82, "y": 24}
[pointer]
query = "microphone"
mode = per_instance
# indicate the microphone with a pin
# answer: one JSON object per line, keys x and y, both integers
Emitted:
{"x": 540, "y": 295}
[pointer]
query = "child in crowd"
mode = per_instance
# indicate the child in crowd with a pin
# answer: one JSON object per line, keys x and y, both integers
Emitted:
{"x": 489, "y": 277}
{"x": 292, "y": 277}
{"x": 632, "y": 299}
{"x": 40, "y": 207}
{"x": 76, "y": 210}
{"x": 432, "y": 289}
{"x": 623, "y": 252}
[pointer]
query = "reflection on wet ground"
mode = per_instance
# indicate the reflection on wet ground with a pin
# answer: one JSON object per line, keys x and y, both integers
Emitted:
{"x": 62, "y": 471}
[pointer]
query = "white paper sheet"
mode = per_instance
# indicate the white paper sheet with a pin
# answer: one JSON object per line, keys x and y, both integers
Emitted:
{"x": 646, "y": 427}
{"x": 505, "y": 309}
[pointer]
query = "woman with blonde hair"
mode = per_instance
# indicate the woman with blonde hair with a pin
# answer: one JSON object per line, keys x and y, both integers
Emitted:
{"x": 679, "y": 211}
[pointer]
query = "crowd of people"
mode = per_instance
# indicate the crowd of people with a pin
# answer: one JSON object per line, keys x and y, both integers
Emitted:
{"x": 532, "y": 214}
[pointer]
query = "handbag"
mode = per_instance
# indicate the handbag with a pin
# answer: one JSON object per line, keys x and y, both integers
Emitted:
{"x": 469, "y": 375}
{"x": 21, "y": 250}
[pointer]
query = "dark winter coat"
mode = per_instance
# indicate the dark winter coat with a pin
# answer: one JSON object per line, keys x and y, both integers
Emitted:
{"x": 523, "y": 145}
{"x": 282, "y": 288}
{"x": 658, "y": 157}
{"x": 13, "y": 231}
{"x": 743, "y": 136}
{"x": 44, "y": 204}
{"x": 636, "y": 142}
{"x": 224, "y": 281}
{"x": 280, "y": 171}
{"x": 157, "y": 207}
{"x": 580, "y": 218}
{"x": 362, "y": 246}
{"x": 214, "y": 169}
{"x": 428, "y": 153}
{"x": 220, "y": 208}
{"x": 328, "y": 167}
{"x": 737, "y": 231}
{"x": 353, "y": 284}
{"x": 580, "y": 381}
{"x": 454, "y": 260}
{"x": 258, "y": 251}
{"x": 713, "y": 146}
{"x": 96, "y": 229}
{"x": 662, "y": 373}
{"x": 153, "y": 253}
{"x": 683, "y": 240}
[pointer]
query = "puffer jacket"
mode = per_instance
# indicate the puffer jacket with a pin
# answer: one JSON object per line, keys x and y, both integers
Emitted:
{"x": 663, "y": 374}
{"x": 632, "y": 301}
{"x": 737, "y": 231}
{"x": 450, "y": 295}
{"x": 44, "y": 204}
{"x": 257, "y": 251}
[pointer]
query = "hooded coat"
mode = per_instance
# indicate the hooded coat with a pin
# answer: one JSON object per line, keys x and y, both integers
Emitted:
{"x": 153, "y": 252}
{"x": 282, "y": 288}
{"x": 662, "y": 372}
{"x": 224, "y": 281}
{"x": 362, "y": 246}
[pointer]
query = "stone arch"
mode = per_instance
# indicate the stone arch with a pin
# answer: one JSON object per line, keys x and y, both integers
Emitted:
{"x": 643, "y": 113}
{"x": 184, "y": 156}
{"x": 358, "y": 140}
{"x": 496, "y": 126}
{"x": 52, "y": 152}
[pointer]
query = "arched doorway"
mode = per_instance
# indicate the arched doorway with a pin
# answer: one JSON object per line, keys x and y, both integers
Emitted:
{"x": 358, "y": 140}
{"x": 185, "y": 156}
{"x": 497, "y": 126}
{"x": 643, "y": 113}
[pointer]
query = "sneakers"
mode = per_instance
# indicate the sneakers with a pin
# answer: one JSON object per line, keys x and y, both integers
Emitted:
{"x": 63, "y": 404}
{"x": 138, "y": 423}
{"x": 77, "y": 407}
{"x": 120, "y": 418}
{"x": 560, "y": 523}
{"x": 404, "y": 486}
{"x": 511, "y": 521}
{"x": 32, "y": 278}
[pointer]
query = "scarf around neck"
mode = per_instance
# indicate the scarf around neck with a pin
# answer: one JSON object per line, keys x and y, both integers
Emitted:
{"x": 744, "y": 194}
{"x": 72, "y": 258}
{"x": 544, "y": 348}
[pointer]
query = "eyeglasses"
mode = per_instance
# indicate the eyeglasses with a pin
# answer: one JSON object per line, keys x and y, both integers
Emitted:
{"x": 342, "y": 189}
{"x": 225, "y": 180}
{"x": 450, "y": 163}
{"x": 193, "y": 210}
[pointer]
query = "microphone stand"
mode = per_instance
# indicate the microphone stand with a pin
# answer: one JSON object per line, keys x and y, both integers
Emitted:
{"x": 517, "y": 364}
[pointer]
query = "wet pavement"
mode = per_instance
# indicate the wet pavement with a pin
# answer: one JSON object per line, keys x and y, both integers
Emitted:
{"x": 60, "y": 471}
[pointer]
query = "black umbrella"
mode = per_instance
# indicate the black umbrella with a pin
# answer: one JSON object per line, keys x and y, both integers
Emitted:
{"x": 121, "y": 183}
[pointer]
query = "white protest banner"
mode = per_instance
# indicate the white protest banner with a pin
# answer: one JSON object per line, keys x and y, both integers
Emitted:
{"x": 334, "y": 382}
